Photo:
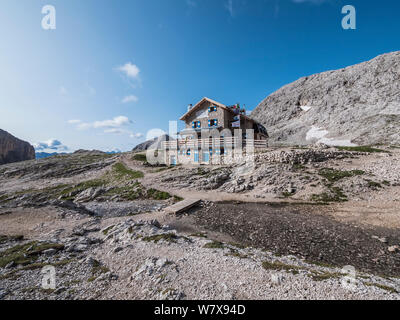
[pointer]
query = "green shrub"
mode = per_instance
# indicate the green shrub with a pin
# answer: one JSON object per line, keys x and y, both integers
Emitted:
{"x": 333, "y": 175}
{"x": 170, "y": 237}
{"x": 335, "y": 194}
{"x": 158, "y": 195}
{"x": 123, "y": 172}
{"x": 214, "y": 245}
{"x": 139, "y": 157}
{"x": 361, "y": 149}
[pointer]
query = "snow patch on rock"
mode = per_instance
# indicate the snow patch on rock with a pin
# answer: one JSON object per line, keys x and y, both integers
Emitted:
{"x": 305, "y": 108}
{"x": 320, "y": 134}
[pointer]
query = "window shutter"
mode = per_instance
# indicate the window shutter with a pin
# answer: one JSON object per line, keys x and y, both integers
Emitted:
{"x": 193, "y": 124}
{"x": 209, "y": 123}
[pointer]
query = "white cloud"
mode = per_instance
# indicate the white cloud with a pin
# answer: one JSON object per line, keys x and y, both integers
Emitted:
{"x": 118, "y": 125}
{"x": 116, "y": 131}
{"x": 62, "y": 91}
{"x": 74, "y": 121}
{"x": 123, "y": 131}
{"x": 136, "y": 135}
{"x": 130, "y": 70}
{"x": 116, "y": 122}
{"x": 129, "y": 99}
{"x": 51, "y": 144}
{"x": 155, "y": 133}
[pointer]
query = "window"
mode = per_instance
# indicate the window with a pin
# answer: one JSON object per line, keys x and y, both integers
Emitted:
{"x": 196, "y": 124}
{"x": 212, "y": 109}
{"x": 213, "y": 123}
{"x": 188, "y": 152}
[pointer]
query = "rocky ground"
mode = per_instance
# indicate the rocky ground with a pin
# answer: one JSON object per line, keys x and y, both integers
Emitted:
{"x": 289, "y": 224}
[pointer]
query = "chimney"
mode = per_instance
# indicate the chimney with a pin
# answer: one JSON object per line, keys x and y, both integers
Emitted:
{"x": 190, "y": 106}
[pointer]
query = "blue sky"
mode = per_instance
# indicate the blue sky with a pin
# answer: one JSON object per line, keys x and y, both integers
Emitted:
{"x": 113, "y": 70}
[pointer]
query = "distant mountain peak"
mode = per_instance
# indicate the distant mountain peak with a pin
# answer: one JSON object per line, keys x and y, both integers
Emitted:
{"x": 13, "y": 149}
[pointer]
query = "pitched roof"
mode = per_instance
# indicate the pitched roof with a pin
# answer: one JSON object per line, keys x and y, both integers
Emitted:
{"x": 198, "y": 104}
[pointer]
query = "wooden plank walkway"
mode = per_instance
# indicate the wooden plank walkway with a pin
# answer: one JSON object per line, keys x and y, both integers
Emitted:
{"x": 182, "y": 206}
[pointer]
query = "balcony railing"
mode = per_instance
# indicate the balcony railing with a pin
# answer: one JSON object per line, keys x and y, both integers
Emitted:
{"x": 231, "y": 142}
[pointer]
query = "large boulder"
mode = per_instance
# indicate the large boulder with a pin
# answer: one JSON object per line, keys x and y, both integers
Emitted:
{"x": 358, "y": 105}
{"x": 149, "y": 143}
{"x": 13, "y": 149}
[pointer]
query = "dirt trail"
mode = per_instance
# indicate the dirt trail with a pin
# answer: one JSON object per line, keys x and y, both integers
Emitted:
{"x": 377, "y": 213}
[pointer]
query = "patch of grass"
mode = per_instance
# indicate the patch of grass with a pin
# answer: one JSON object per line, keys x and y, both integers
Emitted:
{"x": 335, "y": 194}
{"x": 286, "y": 194}
{"x": 325, "y": 276}
{"x": 298, "y": 166}
{"x": 68, "y": 192}
{"x": 4, "y": 197}
{"x": 177, "y": 199}
{"x": 170, "y": 237}
{"x": 333, "y": 175}
{"x": 12, "y": 275}
{"x": 280, "y": 266}
{"x": 198, "y": 235}
{"x": 108, "y": 229}
{"x": 238, "y": 245}
{"x": 237, "y": 254}
{"x": 4, "y": 239}
{"x": 123, "y": 172}
{"x": 98, "y": 268}
{"x": 26, "y": 254}
{"x": 139, "y": 157}
{"x": 129, "y": 193}
{"x": 40, "y": 265}
{"x": 157, "y": 195}
{"x": 162, "y": 169}
{"x": 374, "y": 184}
{"x": 72, "y": 282}
{"x": 214, "y": 245}
{"x": 320, "y": 264}
{"x": 40, "y": 247}
{"x": 367, "y": 149}
{"x": 381, "y": 286}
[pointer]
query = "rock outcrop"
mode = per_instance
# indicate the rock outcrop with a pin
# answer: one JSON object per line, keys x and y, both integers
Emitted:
{"x": 147, "y": 144}
{"x": 13, "y": 149}
{"x": 355, "y": 105}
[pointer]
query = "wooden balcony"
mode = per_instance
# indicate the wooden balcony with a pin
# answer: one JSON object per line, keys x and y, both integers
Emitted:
{"x": 231, "y": 142}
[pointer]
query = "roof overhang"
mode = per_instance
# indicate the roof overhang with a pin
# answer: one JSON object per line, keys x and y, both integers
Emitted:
{"x": 198, "y": 104}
